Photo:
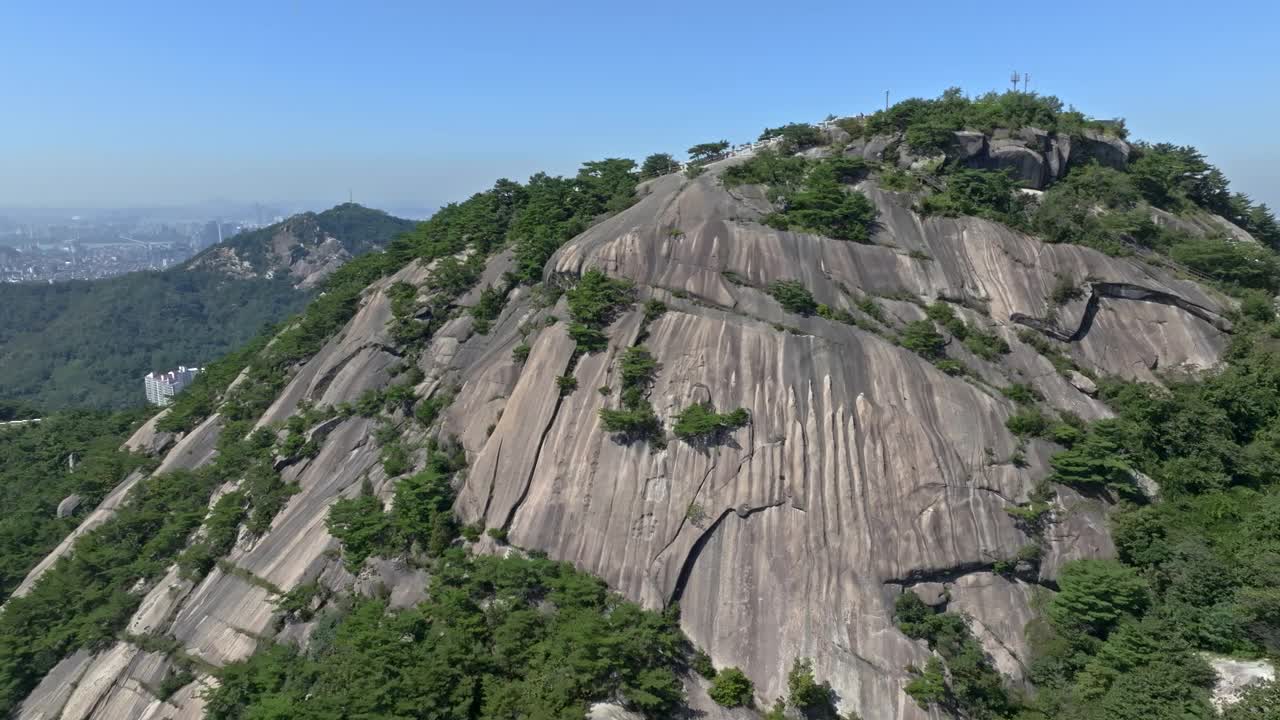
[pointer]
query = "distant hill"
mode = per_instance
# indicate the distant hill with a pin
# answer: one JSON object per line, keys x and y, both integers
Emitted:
{"x": 88, "y": 343}
{"x": 306, "y": 247}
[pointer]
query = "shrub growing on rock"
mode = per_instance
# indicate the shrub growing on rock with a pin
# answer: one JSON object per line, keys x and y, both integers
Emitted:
{"x": 806, "y": 694}
{"x": 793, "y": 296}
{"x": 636, "y": 418}
{"x": 795, "y": 136}
{"x": 731, "y": 688}
{"x": 704, "y": 152}
{"x": 594, "y": 301}
{"x": 921, "y": 338}
{"x": 701, "y": 424}
{"x": 658, "y": 164}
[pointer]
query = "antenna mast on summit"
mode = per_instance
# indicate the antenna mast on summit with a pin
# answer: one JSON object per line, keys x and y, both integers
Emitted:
{"x": 1026, "y": 81}
{"x": 1015, "y": 78}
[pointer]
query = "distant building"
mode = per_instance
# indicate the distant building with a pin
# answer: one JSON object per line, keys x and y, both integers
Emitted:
{"x": 161, "y": 387}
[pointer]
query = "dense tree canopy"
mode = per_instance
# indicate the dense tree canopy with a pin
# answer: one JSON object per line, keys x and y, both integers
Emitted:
{"x": 88, "y": 343}
{"x": 36, "y": 475}
{"x": 499, "y": 638}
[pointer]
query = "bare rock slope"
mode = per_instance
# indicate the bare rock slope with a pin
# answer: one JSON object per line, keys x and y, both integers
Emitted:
{"x": 865, "y": 469}
{"x": 865, "y": 472}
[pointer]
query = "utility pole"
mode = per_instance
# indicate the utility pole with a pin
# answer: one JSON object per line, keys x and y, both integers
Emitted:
{"x": 1015, "y": 78}
{"x": 886, "y": 99}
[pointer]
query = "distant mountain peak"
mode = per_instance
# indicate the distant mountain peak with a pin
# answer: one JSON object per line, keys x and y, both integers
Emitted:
{"x": 306, "y": 247}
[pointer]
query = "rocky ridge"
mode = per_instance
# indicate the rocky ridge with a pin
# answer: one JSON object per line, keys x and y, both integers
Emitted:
{"x": 866, "y": 471}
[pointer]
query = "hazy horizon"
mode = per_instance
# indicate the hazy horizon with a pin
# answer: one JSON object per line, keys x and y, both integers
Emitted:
{"x": 408, "y": 106}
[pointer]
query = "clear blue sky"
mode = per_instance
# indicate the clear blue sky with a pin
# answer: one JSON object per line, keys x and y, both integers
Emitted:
{"x": 420, "y": 103}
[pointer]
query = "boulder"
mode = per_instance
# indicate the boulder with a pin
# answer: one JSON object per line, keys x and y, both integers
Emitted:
{"x": 1106, "y": 150}
{"x": 611, "y": 711}
{"x": 1026, "y": 165}
{"x": 68, "y": 506}
{"x": 1081, "y": 382}
{"x": 834, "y": 134}
{"x": 146, "y": 439}
{"x": 1036, "y": 139}
{"x": 855, "y": 147}
{"x": 1147, "y": 484}
{"x": 932, "y": 594}
{"x": 969, "y": 145}
{"x": 876, "y": 145}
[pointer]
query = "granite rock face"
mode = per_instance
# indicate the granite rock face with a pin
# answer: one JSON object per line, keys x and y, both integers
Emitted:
{"x": 865, "y": 472}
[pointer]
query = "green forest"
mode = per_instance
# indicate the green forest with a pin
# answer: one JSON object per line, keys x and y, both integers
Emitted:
{"x": 37, "y": 475}
{"x": 87, "y": 343}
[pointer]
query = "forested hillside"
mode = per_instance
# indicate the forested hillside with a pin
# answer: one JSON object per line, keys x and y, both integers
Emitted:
{"x": 88, "y": 343}
{"x": 41, "y": 464}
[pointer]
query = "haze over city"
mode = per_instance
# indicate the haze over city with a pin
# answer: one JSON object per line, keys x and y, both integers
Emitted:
{"x": 418, "y": 104}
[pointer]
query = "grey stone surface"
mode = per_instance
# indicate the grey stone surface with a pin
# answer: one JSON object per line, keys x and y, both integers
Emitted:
{"x": 195, "y": 448}
{"x": 969, "y": 145}
{"x": 853, "y": 440}
{"x": 49, "y": 697}
{"x": 1201, "y": 223}
{"x": 1022, "y": 163}
{"x": 932, "y": 594}
{"x": 998, "y": 609}
{"x": 146, "y": 439}
{"x": 1109, "y": 151}
{"x": 68, "y": 506}
{"x": 875, "y": 146}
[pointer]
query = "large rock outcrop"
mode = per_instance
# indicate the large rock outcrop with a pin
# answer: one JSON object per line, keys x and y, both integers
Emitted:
{"x": 865, "y": 471}
{"x": 1032, "y": 156}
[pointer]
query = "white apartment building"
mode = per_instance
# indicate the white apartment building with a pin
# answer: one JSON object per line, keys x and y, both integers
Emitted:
{"x": 162, "y": 386}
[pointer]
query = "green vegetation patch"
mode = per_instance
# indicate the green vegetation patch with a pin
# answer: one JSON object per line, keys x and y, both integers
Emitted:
{"x": 813, "y": 195}
{"x": 36, "y": 477}
{"x": 793, "y": 296}
{"x": 86, "y": 598}
{"x": 962, "y": 679}
{"x": 594, "y": 302}
{"x": 700, "y": 424}
{"x": 635, "y": 419}
{"x": 498, "y": 638}
{"x": 420, "y": 517}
